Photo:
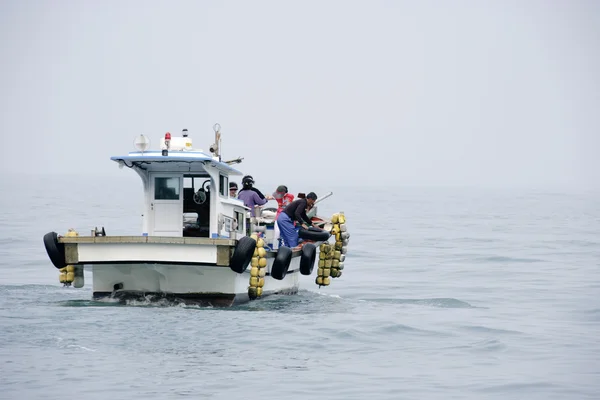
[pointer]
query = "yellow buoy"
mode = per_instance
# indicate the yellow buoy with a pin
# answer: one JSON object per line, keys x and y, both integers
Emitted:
{"x": 262, "y": 252}
{"x": 259, "y": 291}
{"x": 262, "y": 262}
{"x": 254, "y": 236}
{"x": 252, "y": 292}
{"x": 326, "y": 272}
{"x": 319, "y": 280}
{"x": 342, "y": 218}
{"x": 70, "y": 268}
{"x": 260, "y": 243}
{"x": 254, "y": 271}
{"x": 253, "y": 281}
{"x": 262, "y": 272}
{"x": 254, "y": 262}
{"x": 72, "y": 232}
{"x": 70, "y": 276}
{"x": 335, "y": 218}
{"x": 326, "y": 281}
{"x": 261, "y": 282}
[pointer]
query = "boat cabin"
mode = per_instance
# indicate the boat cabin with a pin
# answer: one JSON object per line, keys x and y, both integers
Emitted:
{"x": 186, "y": 191}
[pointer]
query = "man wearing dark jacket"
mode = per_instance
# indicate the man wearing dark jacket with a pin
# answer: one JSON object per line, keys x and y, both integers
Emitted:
{"x": 296, "y": 211}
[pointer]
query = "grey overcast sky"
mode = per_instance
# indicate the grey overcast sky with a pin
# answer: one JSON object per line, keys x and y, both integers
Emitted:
{"x": 377, "y": 92}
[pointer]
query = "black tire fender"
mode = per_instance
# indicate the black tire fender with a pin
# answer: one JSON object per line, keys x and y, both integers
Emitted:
{"x": 281, "y": 263}
{"x": 315, "y": 234}
{"x": 242, "y": 255}
{"x": 55, "y": 250}
{"x": 307, "y": 259}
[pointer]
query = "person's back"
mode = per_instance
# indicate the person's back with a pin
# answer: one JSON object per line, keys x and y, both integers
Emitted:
{"x": 250, "y": 195}
{"x": 296, "y": 210}
{"x": 251, "y": 199}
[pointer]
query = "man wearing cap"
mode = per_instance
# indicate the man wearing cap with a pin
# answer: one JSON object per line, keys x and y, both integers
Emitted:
{"x": 296, "y": 211}
{"x": 251, "y": 196}
{"x": 248, "y": 184}
{"x": 233, "y": 188}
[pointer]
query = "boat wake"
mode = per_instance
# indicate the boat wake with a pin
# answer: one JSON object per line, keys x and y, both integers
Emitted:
{"x": 440, "y": 302}
{"x": 65, "y": 345}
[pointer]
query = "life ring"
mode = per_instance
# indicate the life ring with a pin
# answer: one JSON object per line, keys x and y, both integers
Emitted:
{"x": 307, "y": 259}
{"x": 55, "y": 250}
{"x": 281, "y": 263}
{"x": 315, "y": 234}
{"x": 242, "y": 255}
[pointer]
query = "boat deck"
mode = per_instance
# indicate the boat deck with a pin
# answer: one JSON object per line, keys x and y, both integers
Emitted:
{"x": 147, "y": 239}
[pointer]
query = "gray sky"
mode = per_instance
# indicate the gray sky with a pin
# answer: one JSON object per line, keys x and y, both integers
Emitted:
{"x": 376, "y": 92}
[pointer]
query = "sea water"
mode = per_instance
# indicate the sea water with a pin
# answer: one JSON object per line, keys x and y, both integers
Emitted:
{"x": 465, "y": 293}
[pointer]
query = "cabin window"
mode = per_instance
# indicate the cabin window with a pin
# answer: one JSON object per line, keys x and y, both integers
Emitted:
{"x": 224, "y": 185}
{"x": 239, "y": 217}
{"x": 166, "y": 188}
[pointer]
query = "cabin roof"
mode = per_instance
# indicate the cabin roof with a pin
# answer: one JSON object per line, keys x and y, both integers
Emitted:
{"x": 175, "y": 160}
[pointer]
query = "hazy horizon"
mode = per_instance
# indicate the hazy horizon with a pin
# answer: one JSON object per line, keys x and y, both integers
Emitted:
{"x": 460, "y": 93}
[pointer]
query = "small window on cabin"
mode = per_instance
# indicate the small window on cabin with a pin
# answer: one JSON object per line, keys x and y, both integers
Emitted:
{"x": 166, "y": 188}
{"x": 239, "y": 217}
{"x": 224, "y": 185}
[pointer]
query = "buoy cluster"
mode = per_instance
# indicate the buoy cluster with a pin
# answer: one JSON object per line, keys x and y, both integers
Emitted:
{"x": 67, "y": 275}
{"x": 258, "y": 268}
{"x": 71, "y": 274}
{"x": 325, "y": 263}
{"x": 331, "y": 260}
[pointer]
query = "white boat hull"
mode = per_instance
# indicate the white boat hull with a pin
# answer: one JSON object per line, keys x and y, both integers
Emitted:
{"x": 194, "y": 270}
{"x": 208, "y": 285}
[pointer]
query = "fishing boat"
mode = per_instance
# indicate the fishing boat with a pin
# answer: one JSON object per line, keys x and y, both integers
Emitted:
{"x": 198, "y": 245}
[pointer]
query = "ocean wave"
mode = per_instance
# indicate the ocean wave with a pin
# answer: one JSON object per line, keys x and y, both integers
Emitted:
{"x": 433, "y": 302}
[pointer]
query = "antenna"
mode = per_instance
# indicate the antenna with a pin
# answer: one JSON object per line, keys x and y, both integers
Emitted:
{"x": 216, "y": 148}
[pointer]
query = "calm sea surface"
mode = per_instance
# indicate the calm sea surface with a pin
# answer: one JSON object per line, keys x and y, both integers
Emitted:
{"x": 447, "y": 293}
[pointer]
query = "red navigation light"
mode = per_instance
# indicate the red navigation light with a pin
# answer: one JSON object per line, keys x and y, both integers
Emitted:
{"x": 168, "y": 136}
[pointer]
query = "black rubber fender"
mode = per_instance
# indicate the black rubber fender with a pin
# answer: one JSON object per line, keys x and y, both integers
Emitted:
{"x": 242, "y": 255}
{"x": 281, "y": 263}
{"x": 307, "y": 259}
{"x": 55, "y": 250}
{"x": 315, "y": 234}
